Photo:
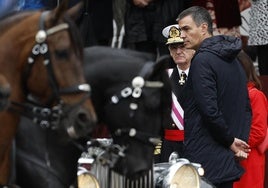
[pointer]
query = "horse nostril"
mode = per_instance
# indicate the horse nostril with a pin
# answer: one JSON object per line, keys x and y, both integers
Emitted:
{"x": 84, "y": 121}
{"x": 82, "y": 124}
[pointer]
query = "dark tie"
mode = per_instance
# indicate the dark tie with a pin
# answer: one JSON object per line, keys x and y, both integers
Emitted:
{"x": 182, "y": 79}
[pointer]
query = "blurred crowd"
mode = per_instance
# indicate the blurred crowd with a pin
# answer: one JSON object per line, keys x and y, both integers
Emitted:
{"x": 137, "y": 24}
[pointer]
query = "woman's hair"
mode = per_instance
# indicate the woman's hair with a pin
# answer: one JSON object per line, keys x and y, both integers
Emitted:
{"x": 249, "y": 68}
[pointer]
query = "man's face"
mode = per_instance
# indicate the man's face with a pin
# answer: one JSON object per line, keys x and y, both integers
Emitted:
{"x": 190, "y": 32}
{"x": 181, "y": 55}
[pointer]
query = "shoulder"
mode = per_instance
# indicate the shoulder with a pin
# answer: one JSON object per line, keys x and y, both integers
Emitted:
{"x": 256, "y": 94}
{"x": 203, "y": 59}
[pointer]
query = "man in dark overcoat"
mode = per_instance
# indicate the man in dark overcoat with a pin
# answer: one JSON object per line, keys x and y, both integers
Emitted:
{"x": 217, "y": 113}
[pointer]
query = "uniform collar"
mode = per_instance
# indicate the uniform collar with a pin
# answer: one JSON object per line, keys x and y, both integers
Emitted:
{"x": 180, "y": 71}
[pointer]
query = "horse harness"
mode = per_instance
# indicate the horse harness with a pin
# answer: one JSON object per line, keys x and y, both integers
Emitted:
{"x": 102, "y": 154}
{"x": 44, "y": 116}
{"x": 135, "y": 93}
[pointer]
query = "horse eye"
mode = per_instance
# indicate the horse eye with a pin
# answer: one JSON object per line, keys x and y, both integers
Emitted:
{"x": 61, "y": 54}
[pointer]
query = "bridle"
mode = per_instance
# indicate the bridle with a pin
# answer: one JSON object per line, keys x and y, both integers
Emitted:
{"x": 103, "y": 157}
{"x": 134, "y": 91}
{"x": 106, "y": 156}
{"x": 47, "y": 117}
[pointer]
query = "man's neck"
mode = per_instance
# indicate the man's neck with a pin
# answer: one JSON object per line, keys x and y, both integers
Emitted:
{"x": 183, "y": 67}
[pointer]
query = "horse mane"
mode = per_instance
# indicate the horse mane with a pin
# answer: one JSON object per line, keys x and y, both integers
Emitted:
{"x": 11, "y": 19}
{"x": 112, "y": 72}
{"x": 111, "y": 66}
{"x": 99, "y": 60}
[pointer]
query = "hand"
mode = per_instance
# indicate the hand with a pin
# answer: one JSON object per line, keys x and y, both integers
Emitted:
{"x": 240, "y": 155}
{"x": 239, "y": 145}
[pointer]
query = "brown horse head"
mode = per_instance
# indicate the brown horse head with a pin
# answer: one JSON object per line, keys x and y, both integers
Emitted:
{"x": 41, "y": 59}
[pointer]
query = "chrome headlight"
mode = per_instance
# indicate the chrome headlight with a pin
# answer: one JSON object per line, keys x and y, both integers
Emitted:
{"x": 181, "y": 174}
{"x": 87, "y": 180}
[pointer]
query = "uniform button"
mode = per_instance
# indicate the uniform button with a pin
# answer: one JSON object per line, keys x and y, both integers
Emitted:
{"x": 173, "y": 125}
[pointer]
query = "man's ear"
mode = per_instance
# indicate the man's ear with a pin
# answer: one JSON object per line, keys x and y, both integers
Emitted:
{"x": 204, "y": 28}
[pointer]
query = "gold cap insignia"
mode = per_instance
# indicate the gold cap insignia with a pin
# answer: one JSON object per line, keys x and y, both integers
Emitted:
{"x": 173, "y": 33}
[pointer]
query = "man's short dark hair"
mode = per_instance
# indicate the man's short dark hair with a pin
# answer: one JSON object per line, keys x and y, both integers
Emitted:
{"x": 199, "y": 14}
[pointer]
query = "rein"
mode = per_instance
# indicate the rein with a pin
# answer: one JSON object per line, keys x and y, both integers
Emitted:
{"x": 47, "y": 117}
{"x": 135, "y": 92}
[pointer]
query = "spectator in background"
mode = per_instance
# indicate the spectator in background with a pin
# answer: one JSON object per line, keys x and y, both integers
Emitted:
{"x": 144, "y": 21}
{"x": 225, "y": 15}
{"x": 244, "y": 6}
{"x": 51, "y": 4}
{"x": 254, "y": 165}
{"x": 8, "y": 6}
{"x": 217, "y": 113}
{"x": 174, "y": 132}
{"x": 119, "y": 8}
{"x": 258, "y": 32}
{"x": 32, "y": 5}
{"x": 95, "y": 22}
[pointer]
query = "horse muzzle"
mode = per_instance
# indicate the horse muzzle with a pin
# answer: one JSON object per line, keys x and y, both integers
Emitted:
{"x": 79, "y": 123}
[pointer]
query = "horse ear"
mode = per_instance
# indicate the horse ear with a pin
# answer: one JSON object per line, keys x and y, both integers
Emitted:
{"x": 151, "y": 69}
{"x": 75, "y": 11}
{"x": 60, "y": 10}
{"x": 161, "y": 64}
{"x": 164, "y": 59}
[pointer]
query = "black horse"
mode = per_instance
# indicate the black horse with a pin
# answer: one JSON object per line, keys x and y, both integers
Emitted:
{"x": 44, "y": 160}
{"x": 132, "y": 96}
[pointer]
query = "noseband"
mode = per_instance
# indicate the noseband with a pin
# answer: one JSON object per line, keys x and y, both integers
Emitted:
{"x": 44, "y": 116}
